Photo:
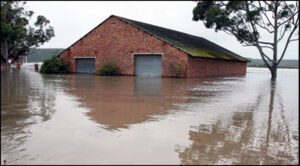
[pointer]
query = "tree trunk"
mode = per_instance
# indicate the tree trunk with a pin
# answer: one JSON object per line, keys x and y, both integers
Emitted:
{"x": 274, "y": 66}
{"x": 5, "y": 52}
{"x": 273, "y": 70}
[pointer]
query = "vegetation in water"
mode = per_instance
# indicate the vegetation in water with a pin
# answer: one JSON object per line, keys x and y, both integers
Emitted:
{"x": 54, "y": 65}
{"x": 108, "y": 68}
{"x": 177, "y": 69}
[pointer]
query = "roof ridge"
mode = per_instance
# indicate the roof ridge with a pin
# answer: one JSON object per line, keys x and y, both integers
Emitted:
{"x": 160, "y": 27}
{"x": 193, "y": 45}
{"x": 188, "y": 37}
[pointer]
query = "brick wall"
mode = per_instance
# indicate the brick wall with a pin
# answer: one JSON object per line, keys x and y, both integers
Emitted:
{"x": 118, "y": 40}
{"x": 199, "y": 67}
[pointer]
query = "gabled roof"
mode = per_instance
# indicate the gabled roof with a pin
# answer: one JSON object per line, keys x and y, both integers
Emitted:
{"x": 192, "y": 45}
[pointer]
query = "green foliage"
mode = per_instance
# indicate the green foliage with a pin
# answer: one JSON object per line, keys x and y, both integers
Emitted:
{"x": 233, "y": 17}
{"x": 246, "y": 20}
{"x": 239, "y": 17}
{"x": 108, "y": 68}
{"x": 54, "y": 65}
{"x": 177, "y": 69}
{"x": 17, "y": 36}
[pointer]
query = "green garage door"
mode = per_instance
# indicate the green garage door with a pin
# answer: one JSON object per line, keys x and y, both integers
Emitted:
{"x": 85, "y": 65}
{"x": 148, "y": 65}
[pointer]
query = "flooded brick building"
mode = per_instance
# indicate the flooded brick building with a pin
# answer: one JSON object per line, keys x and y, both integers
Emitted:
{"x": 141, "y": 49}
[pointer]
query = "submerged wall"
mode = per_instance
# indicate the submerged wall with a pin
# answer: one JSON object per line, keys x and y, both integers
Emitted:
{"x": 200, "y": 67}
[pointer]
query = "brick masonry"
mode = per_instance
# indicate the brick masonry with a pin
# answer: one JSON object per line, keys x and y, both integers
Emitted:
{"x": 115, "y": 39}
{"x": 200, "y": 67}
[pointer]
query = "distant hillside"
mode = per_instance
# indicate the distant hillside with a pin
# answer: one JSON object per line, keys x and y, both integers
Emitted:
{"x": 288, "y": 63}
{"x": 40, "y": 54}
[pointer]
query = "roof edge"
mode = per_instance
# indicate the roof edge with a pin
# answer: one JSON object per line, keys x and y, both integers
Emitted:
{"x": 85, "y": 35}
{"x": 124, "y": 19}
{"x": 121, "y": 18}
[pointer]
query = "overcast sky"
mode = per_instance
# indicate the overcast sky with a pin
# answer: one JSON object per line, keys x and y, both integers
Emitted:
{"x": 72, "y": 20}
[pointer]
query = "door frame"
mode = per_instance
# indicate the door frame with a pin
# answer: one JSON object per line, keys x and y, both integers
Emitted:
{"x": 145, "y": 53}
{"x": 84, "y": 57}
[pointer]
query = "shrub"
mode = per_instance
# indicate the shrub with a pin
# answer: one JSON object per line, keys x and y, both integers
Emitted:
{"x": 177, "y": 69}
{"x": 54, "y": 65}
{"x": 108, "y": 68}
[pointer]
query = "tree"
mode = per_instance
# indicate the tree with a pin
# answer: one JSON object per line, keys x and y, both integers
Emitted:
{"x": 54, "y": 65}
{"x": 17, "y": 36}
{"x": 246, "y": 20}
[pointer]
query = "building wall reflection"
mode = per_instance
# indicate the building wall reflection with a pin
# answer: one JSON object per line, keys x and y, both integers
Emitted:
{"x": 118, "y": 102}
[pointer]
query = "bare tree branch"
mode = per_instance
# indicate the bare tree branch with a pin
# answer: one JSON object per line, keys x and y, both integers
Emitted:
{"x": 285, "y": 29}
{"x": 292, "y": 17}
{"x": 294, "y": 40}
{"x": 262, "y": 54}
{"x": 265, "y": 28}
{"x": 266, "y": 3}
{"x": 261, "y": 42}
{"x": 265, "y": 14}
{"x": 288, "y": 40}
{"x": 290, "y": 9}
{"x": 261, "y": 50}
{"x": 267, "y": 47}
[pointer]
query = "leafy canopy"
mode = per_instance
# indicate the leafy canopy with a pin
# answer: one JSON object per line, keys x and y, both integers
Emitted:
{"x": 240, "y": 17}
{"x": 246, "y": 20}
{"x": 17, "y": 34}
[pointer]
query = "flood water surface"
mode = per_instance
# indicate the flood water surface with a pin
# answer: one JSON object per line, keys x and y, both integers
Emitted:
{"x": 87, "y": 119}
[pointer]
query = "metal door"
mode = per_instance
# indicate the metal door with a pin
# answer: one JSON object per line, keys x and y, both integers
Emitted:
{"x": 85, "y": 65}
{"x": 148, "y": 65}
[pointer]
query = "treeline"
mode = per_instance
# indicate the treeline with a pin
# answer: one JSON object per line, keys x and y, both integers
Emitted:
{"x": 40, "y": 54}
{"x": 285, "y": 63}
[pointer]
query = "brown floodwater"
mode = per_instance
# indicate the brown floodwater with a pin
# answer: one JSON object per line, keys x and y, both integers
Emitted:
{"x": 88, "y": 119}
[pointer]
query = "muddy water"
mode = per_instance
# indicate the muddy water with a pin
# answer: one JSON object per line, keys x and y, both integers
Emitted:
{"x": 86, "y": 119}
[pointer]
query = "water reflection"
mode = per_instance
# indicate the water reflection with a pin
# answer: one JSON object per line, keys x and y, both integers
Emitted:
{"x": 126, "y": 120}
{"x": 147, "y": 86}
{"x": 118, "y": 102}
{"x": 247, "y": 139}
{"x": 24, "y": 101}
